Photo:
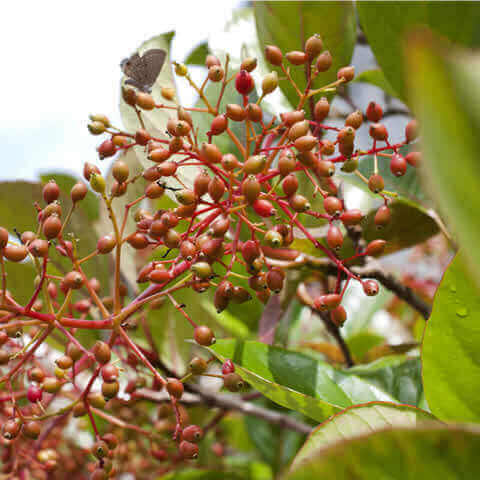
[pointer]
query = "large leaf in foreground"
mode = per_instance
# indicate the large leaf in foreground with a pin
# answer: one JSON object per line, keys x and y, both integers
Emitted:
{"x": 289, "y": 24}
{"x": 445, "y": 98}
{"x": 450, "y": 354}
{"x": 429, "y": 452}
{"x": 316, "y": 389}
{"x": 356, "y": 421}
{"x": 386, "y": 23}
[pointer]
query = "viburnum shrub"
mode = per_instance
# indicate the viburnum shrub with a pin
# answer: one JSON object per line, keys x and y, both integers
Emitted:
{"x": 235, "y": 222}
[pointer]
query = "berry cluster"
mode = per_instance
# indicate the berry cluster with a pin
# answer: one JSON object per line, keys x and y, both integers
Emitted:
{"x": 243, "y": 209}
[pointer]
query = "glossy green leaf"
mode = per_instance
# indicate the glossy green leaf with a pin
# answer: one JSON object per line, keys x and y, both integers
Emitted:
{"x": 425, "y": 452}
{"x": 386, "y": 23}
{"x": 377, "y": 78}
{"x": 443, "y": 96}
{"x": 450, "y": 354}
{"x": 362, "y": 342}
{"x": 314, "y": 388}
{"x": 357, "y": 421}
{"x": 198, "y": 55}
{"x": 289, "y": 24}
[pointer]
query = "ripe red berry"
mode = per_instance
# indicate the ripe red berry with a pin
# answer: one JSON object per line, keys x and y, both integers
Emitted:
{"x": 273, "y": 55}
{"x": 374, "y": 112}
{"x": 34, "y": 393}
{"x": 324, "y": 61}
{"x": 192, "y": 433}
{"x": 263, "y": 208}
{"x": 382, "y": 216}
{"x": 102, "y": 352}
{"x": 414, "y": 158}
{"x": 370, "y": 287}
{"x": 250, "y": 251}
{"x": 109, "y": 373}
{"x": 188, "y": 449}
{"x": 52, "y": 226}
{"x": 175, "y": 387}
{"x": 334, "y": 237}
{"x": 228, "y": 367}
{"x": 78, "y": 192}
{"x": 51, "y": 192}
{"x": 15, "y": 253}
{"x": 106, "y": 149}
{"x": 378, "y": 131}
{"x": 321, "y": 110}
{"x": 375, "y": 247}
{"x": 244, "y": 82}
{"x": 333, "y": 205}
{"x": 398, "y": 165}
{"x": 219, "y": 125}
{"x": 338, "y": 316}
{"x": 106, "y": 244}
{"x": 376, "y": 183}
{"x": 411, "y": 131}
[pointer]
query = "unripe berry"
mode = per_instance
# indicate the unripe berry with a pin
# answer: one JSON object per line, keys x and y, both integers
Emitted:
{"x": 15, "y": 253}
{"x": 159, "y": 155}
{"x": 286, "y": 162}
{"x": 382, "y": 217}
{"x": 273, "y": 55}
{"x": 374, "y": 112}
{"x": 51, "y": 385}
{"x": 378, "y": 131}
{"x": 376, "y": 183}
{"x": 334, "y": 238}
{"x": 321, "y": 110}
{"x": 269, "y": 83}
{"x": 110, "y": 390}
{"x": 181, "y": 69}
{"x": 263, "y": 208}
{"x": 197, "y": 365}
{"x": 313, "y": 46}
{"x": 375, "y": 247}
{"x": 254, "y": 112}
{"x": 398, "y": 165}
{"x": 188, "y": 250}
{"x": 211, "y": 60}
{"x": 106, "y": 244}
{"x": 204, "y": 335}
{"x": 216, "y": 188}
{"x": 120, "y": 171}
{"x": 159, "y": 275}
{"x": 220, "y": 301}
{"x": 193, "y": 433}
{"x": 100, "y": 449}
{"x": 219, "y": 125}
{"x": 290, "y": 185}
{"x": 186, "y": 196}
{"x": 233, "y": 382}
{"x": 347, "y": 73}
{"x": 414, "y": 158}
{"x": 11, "y": 428}
{"x": 324, "y": 61}
{"x": 106, "y": 149}
{"x": 305, "y": 143}
{"x": 53, "y": 208}
{"x": 202, "y": 270}
{"x": 220, "y": 226}
{"x": 50, "y": 191}
{"x": 78, "y": 192}
{"x": 328, "y": 301}
{"x": 251, "y": 188}
{"x": 354, "y": 120}
{"x": 138, "y": 241}
{"x": 298, "y": 129}
{"x": 97, "y": 182}
{"x": 51, "y": 227}
{"x": 145, "y": 101}
{"x": 73, "y": 280}
{"x": 34, "y": 394}
{"x": 188, "y": 450}
{"x": 254, "y": 164}
{"x": 216, "y": 73}
{"x": 129, "y": 95}
{"x": 338, "y": 316}
{"x": 350, "y": 165}
{"x": 96, "y": 128}
{"x": 273, "y": 239}
{"x": 240, "y": 295}
{"x": 4, "y": 357}
{"x": 250, "y": 251}
{"x": 109, "y": 373}
{"x": 411, "y": 131}
{"x": 244, "y": 82}
{"x": 167, "y": 93}
{"x": 200, "y": 183}
{"x": 102, "y": 352}
{"x": 172, "y": 239}
{"x": 289, "y": 118}
{"x": 325, "y": 168}
{"x": 296, "y": 58}
{"x": 73, "y": 351}
{"x": 3, "y": 237}
{"x": 370, "y": 287}
{"x": 275, "y": 278}
{"x": 236, "y": 112}
{"x": 249, "y": 64}
{"x": 174, "y": 388}
{"x": 142, "y": 137}
{"x": 299, "y": 203}
{"x": 351, "y": 217}
{"x": 210, "y": 153}
{"x": 32, "y": 429}
{"x": 333, "y": 205}
{"x": 229, "y": 162}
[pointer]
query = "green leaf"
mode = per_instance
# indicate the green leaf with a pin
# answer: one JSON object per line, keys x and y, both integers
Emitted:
{"x": 357, "y": 421}
{"x": 314, "y": 388}
{"x": 198, "y": 474}
{"x": 441, "y": 96}
{"x": 289, "y": 24}
{"x": 450, "y": 354}
{"x": 198, "y": 55}
{"x": 410, "y": 224}
{"x": 427, "y": 452}
{"x": 377, "y": 78}
{"x": 362, "y": 342}
{"x": 386, "y": 23}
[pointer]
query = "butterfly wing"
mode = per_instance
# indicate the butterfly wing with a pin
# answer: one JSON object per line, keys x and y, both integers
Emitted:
{"x": 153, "y": 61}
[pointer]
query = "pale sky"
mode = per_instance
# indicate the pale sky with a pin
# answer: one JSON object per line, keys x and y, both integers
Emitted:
{"x": 61, "y": 62}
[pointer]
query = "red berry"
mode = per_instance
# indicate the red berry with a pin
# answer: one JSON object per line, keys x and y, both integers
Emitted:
{"x": 34, "y": 393}
{"x": 338, "y": 316}
{"x": 188, "y": 449}
{"x": 193, "y": 433}
{"x": 376, "y": 183}
{"x": 382, "y": 217}
{"x": 370, "y": 287}
{"x": 263, "y": 208}
{"x": 244, "y": 82}
{"x": 51, "y": 192}
{"x": 374, "y": 112}
{"x": 334, "y": 237}
{"x": 175, "y": 388}
{"x": 333, "y": 205}
{"x": 414, "y": 158}
{"x": 411, "y": 131}
{"x": 375, "y": 247}
{"x": 204, "y": 335}
{"x": 228, "y": 367}
{"x": 398, "y": 165}
{"x": 106, "y": 149}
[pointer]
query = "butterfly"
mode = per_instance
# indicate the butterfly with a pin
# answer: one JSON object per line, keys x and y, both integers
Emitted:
{"x": 143, "y": 70}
